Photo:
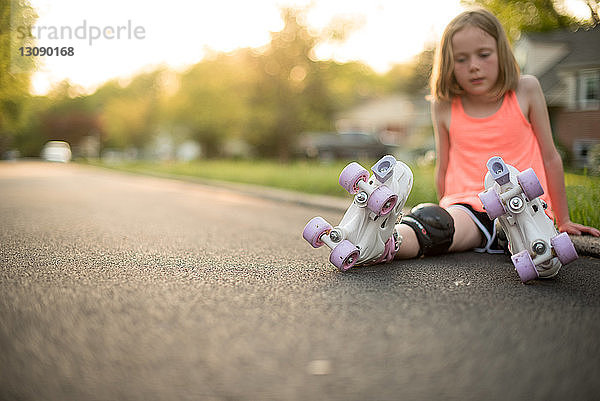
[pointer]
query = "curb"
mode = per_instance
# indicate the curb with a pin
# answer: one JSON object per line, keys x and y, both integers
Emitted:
{"x": 586, "y": 245}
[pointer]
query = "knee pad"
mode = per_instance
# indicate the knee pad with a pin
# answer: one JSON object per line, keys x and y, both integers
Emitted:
{"x": 434, "y": 227}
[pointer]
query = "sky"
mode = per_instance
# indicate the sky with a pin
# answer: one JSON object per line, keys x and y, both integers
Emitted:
{"x": 120, "y": 38}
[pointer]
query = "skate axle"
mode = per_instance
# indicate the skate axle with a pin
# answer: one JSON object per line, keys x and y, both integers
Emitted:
{"x": 516, "y": 204}
{"x": 335, "y": 235}
{"x": 361, "y": 199}
{"x": 326, "y": 238}
{"x": 513, "y": 192}
{"x": 366, "y": 188}
{"x": 539, "y": 247}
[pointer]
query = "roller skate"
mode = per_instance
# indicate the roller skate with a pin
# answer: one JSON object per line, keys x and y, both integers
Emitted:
{"x": 538, "y": 250}
{"x": 366, "y": 234}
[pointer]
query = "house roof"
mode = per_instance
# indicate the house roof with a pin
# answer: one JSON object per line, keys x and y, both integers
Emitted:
{"x": 581, "y": 50}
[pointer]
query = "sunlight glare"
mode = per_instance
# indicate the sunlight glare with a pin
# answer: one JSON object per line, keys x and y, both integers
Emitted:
{"x": 180, "y": 33}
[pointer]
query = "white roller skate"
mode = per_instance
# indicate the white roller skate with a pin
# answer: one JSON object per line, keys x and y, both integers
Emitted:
{"x": 537, "y": 248}
{"x": 365, "y": 235}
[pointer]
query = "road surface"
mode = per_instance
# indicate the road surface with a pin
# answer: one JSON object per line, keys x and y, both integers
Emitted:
{"x": 117, "y": 286}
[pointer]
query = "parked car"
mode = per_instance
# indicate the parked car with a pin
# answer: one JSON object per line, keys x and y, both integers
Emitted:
{"x": 351, "y": 145}
{"x": 56, "y": 151}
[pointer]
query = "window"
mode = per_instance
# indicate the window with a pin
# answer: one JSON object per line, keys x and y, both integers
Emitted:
{"x": 589, "y": 89}
{"x": 583, "y": 152}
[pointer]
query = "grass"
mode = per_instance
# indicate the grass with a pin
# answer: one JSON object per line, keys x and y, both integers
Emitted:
{"x": 583, "y": 191}
{"x": 583, "y": 195}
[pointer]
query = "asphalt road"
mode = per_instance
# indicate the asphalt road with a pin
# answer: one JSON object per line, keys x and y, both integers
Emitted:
{"x": 122, "y": 287}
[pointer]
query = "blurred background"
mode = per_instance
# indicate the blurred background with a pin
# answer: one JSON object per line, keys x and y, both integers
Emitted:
{"x": 268, "y": 79}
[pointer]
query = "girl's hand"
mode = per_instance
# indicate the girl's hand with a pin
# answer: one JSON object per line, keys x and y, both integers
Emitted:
{"x": 578, "y": 229}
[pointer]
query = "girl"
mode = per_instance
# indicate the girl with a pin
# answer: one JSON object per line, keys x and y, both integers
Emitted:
{"x": 482, "y": 107}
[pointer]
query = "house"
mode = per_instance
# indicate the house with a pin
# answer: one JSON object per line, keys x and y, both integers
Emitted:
{"x": 567, "y": 64}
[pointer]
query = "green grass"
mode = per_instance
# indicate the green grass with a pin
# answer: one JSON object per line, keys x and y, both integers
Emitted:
{"x": 583, "y": 195}
{"x": 306, "y": 177}
{"x": 583, "y": 191}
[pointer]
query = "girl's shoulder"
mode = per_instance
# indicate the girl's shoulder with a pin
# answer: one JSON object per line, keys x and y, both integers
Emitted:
{"x": 529, "y": 93}
{"x": 528, "y": 85}
{"x": 441, "y": 111}
{"x": 441, "y": 105}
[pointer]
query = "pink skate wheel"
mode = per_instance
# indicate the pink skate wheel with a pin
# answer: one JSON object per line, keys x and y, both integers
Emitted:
{"x": 564, "y": 249}
{"x": 524, "y": 266}
{"x": 351, "y": 175}
{"x": 491, "y": 203}
{"x": 344, "y": 256}
{"x": 382, "y": 200}
{"x": 314, "y": 230}
{"x": 530, "y": 184}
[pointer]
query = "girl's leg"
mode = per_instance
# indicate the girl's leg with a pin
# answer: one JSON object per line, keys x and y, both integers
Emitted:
{"x": 466, "y": 236}
{"x": 410, "y": 244}
{"x": 466, "y": 233}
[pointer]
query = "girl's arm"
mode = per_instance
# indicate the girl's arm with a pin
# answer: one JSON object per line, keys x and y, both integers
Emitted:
{"x": 538, "y": 116}
{"x": 440, "y": 116}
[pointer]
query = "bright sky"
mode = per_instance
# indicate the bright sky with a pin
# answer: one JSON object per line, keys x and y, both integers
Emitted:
{"x": 179, "y": 32}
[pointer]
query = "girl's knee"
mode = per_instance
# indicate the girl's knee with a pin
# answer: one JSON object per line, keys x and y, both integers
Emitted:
{"x": 433, "y": 226}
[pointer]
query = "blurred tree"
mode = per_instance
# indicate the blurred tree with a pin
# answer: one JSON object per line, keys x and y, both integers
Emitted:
{"x": 129, "y": 114}
{"x": 264, "y": 96}
{"x": 352, "y": 82}
{"x": 594, "y": 6}
{"x": 526, "y": 15}
{"x": 212, "y": 101}
{"x": 15, "y": 70}
{"x": 28, "y": 138}
{"x": 294, "y": 92}
{"x": 412, "y": 77}
{"x": 279, "y": 102}
{"x": 65, "y": 116}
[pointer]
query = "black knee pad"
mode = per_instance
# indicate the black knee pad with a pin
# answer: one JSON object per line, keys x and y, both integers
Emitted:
{"x": 434, "y": 227}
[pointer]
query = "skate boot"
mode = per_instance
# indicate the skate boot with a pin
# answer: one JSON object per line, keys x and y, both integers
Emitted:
{"x": 537, "y": 248}
{"x": 366, "y": 233}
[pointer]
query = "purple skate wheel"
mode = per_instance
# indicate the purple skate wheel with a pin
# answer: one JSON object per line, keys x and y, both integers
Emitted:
{"x": 314, "y": 230}
{"x": 524, "y": 266}
{"x": 351, "y": 175}
{"x": 344, "y": 256}
{"x": 491, "y": 203}
{"x": 382, "y": 200}
{"x": 564, "y": 249}
{"x": 530, "y": 184}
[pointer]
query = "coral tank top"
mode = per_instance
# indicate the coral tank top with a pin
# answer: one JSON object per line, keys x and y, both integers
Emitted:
{"x": 506, "y": 133}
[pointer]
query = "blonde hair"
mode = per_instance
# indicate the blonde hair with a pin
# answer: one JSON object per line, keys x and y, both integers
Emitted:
{"x": 443, "y": 83}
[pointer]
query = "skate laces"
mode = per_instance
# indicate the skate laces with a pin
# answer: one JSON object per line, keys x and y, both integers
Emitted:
{"x": 389, "y": 251}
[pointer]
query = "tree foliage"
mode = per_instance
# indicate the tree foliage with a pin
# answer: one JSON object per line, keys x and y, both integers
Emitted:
{"x": 264, "y": 97}
{"x": 15, "y": 71}
{"x": 526, "y": 15}
{"x": 594, "y": 7}
{"x": 212, "y": 103}
{"x": 288, "y": 81}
